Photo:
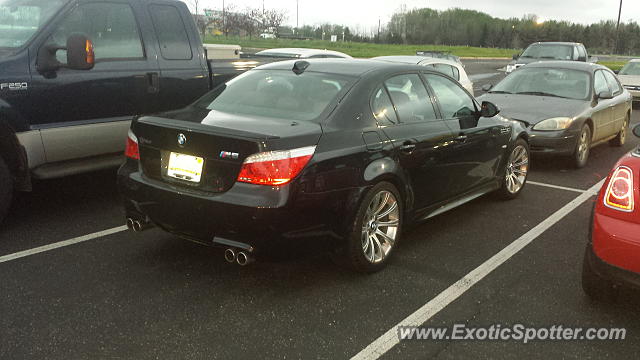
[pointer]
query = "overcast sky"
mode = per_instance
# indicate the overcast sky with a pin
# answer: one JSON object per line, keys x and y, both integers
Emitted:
{"x": 365, "y": 14}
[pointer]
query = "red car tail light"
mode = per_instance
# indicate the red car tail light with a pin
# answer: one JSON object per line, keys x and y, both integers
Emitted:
{"x": 131, "y": 150}
{"x": 619, "y": 195}
{"x": 275, "y": 167}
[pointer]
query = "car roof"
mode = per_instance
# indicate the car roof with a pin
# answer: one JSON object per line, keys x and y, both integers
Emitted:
{"x": 416, "y": 59}
{"x": 352, "y": 67}
{"x": 303, "y": 52}
{"x": 556, "y": 43}
{"x": 571, "y": 65}
{"x": 634, "y": 60}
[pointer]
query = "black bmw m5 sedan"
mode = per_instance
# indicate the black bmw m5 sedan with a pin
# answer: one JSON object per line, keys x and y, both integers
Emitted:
{"x": 346, "y": 152}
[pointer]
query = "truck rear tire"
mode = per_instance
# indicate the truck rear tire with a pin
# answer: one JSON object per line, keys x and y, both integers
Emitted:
{"x": 6, "y": 189}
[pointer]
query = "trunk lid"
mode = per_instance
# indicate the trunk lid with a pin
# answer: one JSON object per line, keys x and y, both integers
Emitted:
{"x": 222, "y": 144}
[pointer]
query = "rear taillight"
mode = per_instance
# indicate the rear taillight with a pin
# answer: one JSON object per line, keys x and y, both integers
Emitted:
{"x": 131, "y": 150}
{"x": 275, "y": 167}
{"x": 619, "y": 193}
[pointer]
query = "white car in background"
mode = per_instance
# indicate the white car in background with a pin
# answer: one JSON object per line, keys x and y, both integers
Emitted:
{"x": 447, "y": 67}
{"x": 629, "y": 76}
{"x": 302, "y": 53}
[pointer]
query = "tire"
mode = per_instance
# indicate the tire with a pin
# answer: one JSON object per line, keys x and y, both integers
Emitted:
{"x": 621, "y": 139}
{"x": 583, "y": 148}
{"x": 362, "y": 252}
{"x": 516, "y": 171}
{"x": 596, "y": 287}
{"x": 6, "y": 189}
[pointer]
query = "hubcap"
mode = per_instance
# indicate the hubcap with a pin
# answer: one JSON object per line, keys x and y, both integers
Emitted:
{"x": 583, "y": 148}
{"x": 380, "y": 226}
{"x": 517, "y": 169}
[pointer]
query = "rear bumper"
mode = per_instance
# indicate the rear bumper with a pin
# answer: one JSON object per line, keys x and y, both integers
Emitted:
{"x": 610, "y": 272}
{"x": 258, "y": 216}
{"x": 617, "y": 242}
{"x": 553, "y": 142}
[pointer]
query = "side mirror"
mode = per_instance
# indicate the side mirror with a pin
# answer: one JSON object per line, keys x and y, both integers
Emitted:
{"x": 80, "y": 55}
{"x": 616, "y": 72}
{"x": 604, "y": 95}
{"x": 489, "y": 109}
{"x": 487, "y": 87}
{"x": 594, "y": 60}
{"x": 636, "y": 130}
{"x": 516, "y": 56}
{"x": 582, "y": 58}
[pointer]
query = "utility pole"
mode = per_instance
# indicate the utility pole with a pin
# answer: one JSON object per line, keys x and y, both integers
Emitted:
{"x": 379, "y": 29}
{"x": 298, "y": 12}
{"x": 615, "y": 47}
{"x": 224, "y": 20}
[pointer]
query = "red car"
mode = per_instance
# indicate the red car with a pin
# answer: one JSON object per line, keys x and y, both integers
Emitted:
{"x": 613, "y": 253}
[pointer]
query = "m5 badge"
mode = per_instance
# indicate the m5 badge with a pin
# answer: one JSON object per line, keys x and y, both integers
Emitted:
{"x": 228, "y": 155}
{"x": 14, "y": 86}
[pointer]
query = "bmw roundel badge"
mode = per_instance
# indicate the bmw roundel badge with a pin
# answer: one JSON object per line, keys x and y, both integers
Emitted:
{"x": 182, "y": 140}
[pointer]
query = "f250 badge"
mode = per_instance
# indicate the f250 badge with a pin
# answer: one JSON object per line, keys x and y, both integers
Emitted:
{"x": 19, "y": 86}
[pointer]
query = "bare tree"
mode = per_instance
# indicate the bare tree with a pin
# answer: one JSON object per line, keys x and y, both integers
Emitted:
{"x": 251, "y": 21}
{"x": 273, "y": 19}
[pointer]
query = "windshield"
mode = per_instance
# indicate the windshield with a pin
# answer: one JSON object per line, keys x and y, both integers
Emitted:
{"x": 277, "y": 93}
{"x": 631, "y": 68}
{"x": 21, "y": 19}
{"x": 571, "y": 84}
{"x": 556, "y": 52}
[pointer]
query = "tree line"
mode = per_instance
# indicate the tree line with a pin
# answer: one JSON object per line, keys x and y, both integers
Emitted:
{"x": 473, "y": 28}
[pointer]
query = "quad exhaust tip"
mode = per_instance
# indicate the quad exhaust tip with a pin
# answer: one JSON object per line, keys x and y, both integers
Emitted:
{"x": 230, "y": 255}
{"x": 241, "y": 258}
{"x": 138, "y": 225}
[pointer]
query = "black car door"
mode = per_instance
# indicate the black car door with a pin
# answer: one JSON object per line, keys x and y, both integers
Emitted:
{"x": 183, "y": 70}
{"x": 480, "y": 143}
{"x": 418, "y": 135}
{"x": 82, "y": 113}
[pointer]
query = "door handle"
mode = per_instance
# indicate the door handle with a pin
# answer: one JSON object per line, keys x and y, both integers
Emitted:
{"x": 153, "y": 79}
{"x": 408, "y": 146}
{"x": 461, "y": 139}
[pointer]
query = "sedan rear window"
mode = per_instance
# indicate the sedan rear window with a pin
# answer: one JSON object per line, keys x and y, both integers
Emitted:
{"x": 631, "y": 68}
{"x": 565, "y": 83}
{"x": 277, "y": 93}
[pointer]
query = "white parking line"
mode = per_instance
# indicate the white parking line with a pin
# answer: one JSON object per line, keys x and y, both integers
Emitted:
{"x": 60, "y": 244}
{"x": 556, "y": 187}
{"x": 389, "y": 339}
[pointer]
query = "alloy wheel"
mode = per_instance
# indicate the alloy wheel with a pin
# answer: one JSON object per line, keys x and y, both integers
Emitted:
{"x": 583, "y": 146}
{"x": 517, "y": 169}
{"x": 380, "y": 226}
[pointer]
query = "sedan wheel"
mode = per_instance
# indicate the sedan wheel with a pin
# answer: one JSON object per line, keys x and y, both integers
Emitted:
{"x": 583, "y": 147}
{"x": 621, "y": 139}
{"x": 376, "y": 228}
{"x": 516, "y": 171}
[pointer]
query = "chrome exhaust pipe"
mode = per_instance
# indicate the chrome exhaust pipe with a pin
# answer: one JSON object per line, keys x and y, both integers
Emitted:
{"x": 244, "y": 259}
{"x": 137, "y": 226}
{"x": 130, "y": 223}
{"x": 230, "y": 255}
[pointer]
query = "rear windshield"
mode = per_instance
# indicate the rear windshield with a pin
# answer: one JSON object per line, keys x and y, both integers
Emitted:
{"x": 565, "y": 83}
{"x": 555, "y": 52}
{"x": 277, "y": 94}
{"x": 631, "y": 68}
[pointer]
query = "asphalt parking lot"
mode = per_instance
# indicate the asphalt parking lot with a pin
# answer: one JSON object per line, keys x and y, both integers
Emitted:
{"x": 150, "y": 295}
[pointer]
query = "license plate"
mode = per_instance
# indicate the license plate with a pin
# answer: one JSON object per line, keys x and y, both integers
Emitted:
{"x": 185, "y": 167}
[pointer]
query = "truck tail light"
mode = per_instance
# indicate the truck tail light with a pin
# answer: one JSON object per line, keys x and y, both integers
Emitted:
{"x": 131, "y": 150}
{"x": 275, "y": 167}
{"x": 619, "y": 195}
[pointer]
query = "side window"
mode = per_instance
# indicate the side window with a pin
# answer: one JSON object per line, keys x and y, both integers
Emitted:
{"x": 383, "y": 108}
{"x": 112, "y": 27}
{"x": 456, "y": 73}
{"x": 600, "y": 83}
{"x": 454, "y": 102}
{"x": 171, "y": 32}
{"x": 444, "y": 68}
{"x": 582, "y": 52}
{"x": 614, "y": 85}
{"x": 410, "y": 98}
{"x": 576, "y": 55}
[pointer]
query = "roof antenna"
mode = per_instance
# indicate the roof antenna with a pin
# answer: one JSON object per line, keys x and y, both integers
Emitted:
{"x": 300, "y": 66}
